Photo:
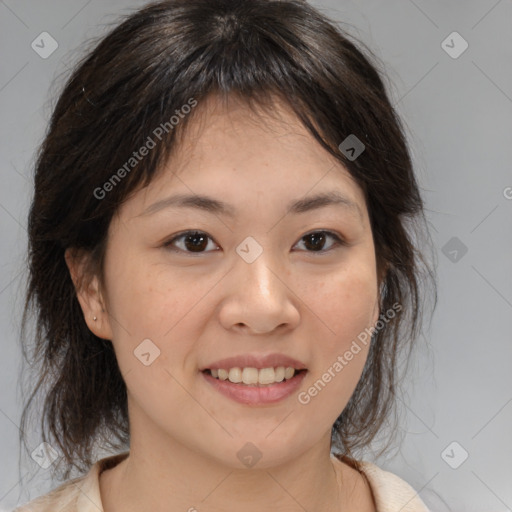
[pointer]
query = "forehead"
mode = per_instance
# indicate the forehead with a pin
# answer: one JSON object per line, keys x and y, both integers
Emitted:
{"x": 229, "y": 149}
{"x": 231, "y": 127}
{"x": 228, "y": 133}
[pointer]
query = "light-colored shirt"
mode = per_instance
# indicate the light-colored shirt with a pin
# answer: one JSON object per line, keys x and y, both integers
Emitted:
{"x": 390, "y": 493}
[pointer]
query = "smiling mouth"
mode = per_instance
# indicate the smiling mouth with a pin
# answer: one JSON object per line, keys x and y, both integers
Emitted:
{"x": 254, "y": 377}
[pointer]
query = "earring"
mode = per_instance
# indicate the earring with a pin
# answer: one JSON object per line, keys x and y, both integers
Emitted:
{"x": 95, "y": 319}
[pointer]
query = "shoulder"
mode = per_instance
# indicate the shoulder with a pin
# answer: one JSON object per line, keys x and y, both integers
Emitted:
{"x": 62, "y": 499}
{"x": 78, "y": 495}
{"x": 390, "y": 493}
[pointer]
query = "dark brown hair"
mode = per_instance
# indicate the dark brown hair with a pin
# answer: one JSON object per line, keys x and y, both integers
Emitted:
{"x": 134, "y": 79}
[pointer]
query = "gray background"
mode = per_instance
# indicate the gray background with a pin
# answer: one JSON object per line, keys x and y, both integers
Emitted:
{"x": 458, "y": 116}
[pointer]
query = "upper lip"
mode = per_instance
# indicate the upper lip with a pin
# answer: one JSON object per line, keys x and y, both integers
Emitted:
{"x": 258, "y": 361}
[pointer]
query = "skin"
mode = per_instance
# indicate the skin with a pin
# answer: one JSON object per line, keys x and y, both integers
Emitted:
{"x": 201, "y": 307}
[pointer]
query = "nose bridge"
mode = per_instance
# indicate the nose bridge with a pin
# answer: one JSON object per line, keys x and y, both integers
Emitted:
{"x": 257, "y": 296}
{"x": 261, "y": 300}
{"x": 256, "y": 269}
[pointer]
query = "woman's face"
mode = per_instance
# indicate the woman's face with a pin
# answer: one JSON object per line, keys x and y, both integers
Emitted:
{"x": 255, "y": 282}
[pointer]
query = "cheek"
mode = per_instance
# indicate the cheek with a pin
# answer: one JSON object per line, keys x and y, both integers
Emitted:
{"x": 146, "y": 317}
{"x": 141, "y": 298}
{"x": 145, "y": 304}
{"x": 345, "y": 304}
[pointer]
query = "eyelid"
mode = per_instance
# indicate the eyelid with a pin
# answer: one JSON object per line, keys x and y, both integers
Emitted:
{"x": 182, "y": 234}
{"x": 339, "y": 241}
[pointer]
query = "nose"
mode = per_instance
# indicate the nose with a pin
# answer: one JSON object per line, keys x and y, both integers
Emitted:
{"x": 257, "y": 297}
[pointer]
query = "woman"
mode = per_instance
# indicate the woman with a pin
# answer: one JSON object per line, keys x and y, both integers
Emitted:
{"x": 222, "y": 266}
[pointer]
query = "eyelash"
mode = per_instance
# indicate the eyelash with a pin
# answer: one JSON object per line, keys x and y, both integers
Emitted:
{"x": 339, "y": 241}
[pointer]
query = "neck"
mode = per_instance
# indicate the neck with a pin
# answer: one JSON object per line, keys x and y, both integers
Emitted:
{"x": 176, "y": 478}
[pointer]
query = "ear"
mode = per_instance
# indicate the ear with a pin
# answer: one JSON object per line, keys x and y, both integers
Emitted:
{"x": 88, "y": 293}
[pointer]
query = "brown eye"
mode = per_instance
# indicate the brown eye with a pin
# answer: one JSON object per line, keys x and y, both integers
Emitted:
{"x": 191, "y": 241}
{"x": 316, "y": 241}
{"x": 197, "y": 242}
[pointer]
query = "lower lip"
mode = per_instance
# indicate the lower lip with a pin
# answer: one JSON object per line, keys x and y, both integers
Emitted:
{"x": 253, "y": 395}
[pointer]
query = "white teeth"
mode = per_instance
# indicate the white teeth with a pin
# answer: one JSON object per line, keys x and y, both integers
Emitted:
{"x": 267, "y": 376}
{"x": 235, "y": 375}
{"x": 279, "y": 373}
{"x": 288, "y": 373}
{"x": 250, "y": 376}
{"x": 253, "y": 376}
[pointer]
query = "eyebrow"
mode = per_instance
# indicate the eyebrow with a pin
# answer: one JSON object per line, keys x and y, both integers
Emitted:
{"x": 216, "y": 207}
